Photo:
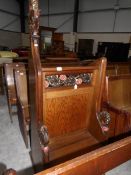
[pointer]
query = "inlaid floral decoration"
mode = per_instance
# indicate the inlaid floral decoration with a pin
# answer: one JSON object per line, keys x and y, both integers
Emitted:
{"x": 67, "y": 80}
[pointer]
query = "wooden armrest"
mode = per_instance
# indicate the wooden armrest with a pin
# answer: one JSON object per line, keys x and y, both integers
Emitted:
{"x": 111, "y": 107}
{"x": 114, "y": 108}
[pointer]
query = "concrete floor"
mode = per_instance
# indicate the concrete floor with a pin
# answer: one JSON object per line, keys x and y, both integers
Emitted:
{"x": 13, "y": 153}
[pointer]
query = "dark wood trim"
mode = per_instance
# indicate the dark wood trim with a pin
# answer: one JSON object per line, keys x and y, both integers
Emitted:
{"x": 22, "y": 15}
{"x": 75, "y": 19}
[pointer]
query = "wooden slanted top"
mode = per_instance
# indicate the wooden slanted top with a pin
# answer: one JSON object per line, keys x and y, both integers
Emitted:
{"x": 96, "y": 162}
{"x": 76, "y": 68}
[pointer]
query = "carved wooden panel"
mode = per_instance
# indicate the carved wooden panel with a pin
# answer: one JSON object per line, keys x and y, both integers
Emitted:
{"x": 65, "y": 80}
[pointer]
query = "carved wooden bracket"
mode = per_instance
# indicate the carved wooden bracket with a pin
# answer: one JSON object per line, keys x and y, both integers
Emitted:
{"x": 34, "y": 18}
{"x": 104, "y": 121}
{"x": 44, "y": 141}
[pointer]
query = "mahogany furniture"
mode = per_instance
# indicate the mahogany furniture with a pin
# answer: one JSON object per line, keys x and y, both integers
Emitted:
{"x": 10, "y": 85}
{"x": 52, "y": 44}
{"x": 67, "y": 119}
{"x": 1, "y": 80}
{"x": 22, "y": 103}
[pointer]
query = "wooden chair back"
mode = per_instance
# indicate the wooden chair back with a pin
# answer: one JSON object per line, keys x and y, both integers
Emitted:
{"x": 118, "y": 69}
{"x": 118, "y": 103}
{"x": 63, "y": 103}
{"x": 10, "y": 84}
{"x": 119, "y": 90}
{"x": 22, "y": 102}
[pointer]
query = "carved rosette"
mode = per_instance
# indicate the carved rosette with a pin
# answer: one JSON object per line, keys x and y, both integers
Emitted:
{"x": 67, "y": 80}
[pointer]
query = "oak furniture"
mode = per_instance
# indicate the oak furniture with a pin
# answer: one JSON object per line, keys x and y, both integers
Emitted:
{"x": 68, "y": 124}
{"x": 118, "y": 68}
{"x": 118, "y": 102}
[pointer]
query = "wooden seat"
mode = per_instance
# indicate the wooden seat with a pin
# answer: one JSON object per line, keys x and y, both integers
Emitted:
{"x": 119, "y": 102}
{"x": 10, "y": 85}
{"x": 62, "y": 107}
{"x": 22, "y": 103}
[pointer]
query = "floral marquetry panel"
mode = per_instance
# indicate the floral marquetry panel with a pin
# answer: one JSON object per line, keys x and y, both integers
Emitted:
{"x": 67, "y": 80}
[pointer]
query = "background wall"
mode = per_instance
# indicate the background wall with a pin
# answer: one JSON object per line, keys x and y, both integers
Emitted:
{"x": 71, "y": 38}
{"x": 58, "y": 14}
{"x": 10, "y": 39}
{"x": 94, "y": 15}
{"x": 9, "y": 15}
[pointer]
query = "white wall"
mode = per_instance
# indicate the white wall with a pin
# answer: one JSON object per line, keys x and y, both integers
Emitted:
{"x": 8, "y": 21}
{"x": 98, "y": 37}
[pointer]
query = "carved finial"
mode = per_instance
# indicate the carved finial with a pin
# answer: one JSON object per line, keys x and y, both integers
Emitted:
{"x": 34, "y": 4}
{"x": 34, "y": 14}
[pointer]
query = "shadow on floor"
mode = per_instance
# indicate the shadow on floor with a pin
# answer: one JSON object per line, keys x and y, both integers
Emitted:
{"x": 2, "y": 168}
{"x": 27, "y": 171}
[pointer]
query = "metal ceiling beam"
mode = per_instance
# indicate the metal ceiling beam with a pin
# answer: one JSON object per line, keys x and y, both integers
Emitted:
{"x": 57, "y": 14}
{"x": 9, "y": 13}
{"x": 85, "y": 11}
{"x": 75, "y": 19}
{"x": 22, "y": 15}
{"x": 104, "y": 10}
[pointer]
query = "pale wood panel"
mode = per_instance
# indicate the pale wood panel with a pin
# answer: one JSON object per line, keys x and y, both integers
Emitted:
{"x": 115, "y": 88}
{"x": 70, "y": 113}
{"x": 71, "y": 143}
{"x": 120, "y": 91}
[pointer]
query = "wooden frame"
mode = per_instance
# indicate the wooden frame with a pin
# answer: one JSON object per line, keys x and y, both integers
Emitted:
{"x": 45, "y": 29}
{"x": 22, "y": 103}
{"x": 10, "y": 85}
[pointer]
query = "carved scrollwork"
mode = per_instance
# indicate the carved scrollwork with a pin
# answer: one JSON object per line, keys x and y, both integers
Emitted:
{"x": 43, "y": 134}
{"x": 104, "y": 120}
{"x": 34, "y": 18}
{"x": 34, "y": 4}
{"x": 44, "y": 141}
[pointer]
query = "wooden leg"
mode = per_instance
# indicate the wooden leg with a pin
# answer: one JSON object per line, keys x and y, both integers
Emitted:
{"x": 10, "y": 112}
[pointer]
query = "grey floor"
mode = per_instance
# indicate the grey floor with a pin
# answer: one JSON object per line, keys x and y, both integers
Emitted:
{"x": 13, "y": 153}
